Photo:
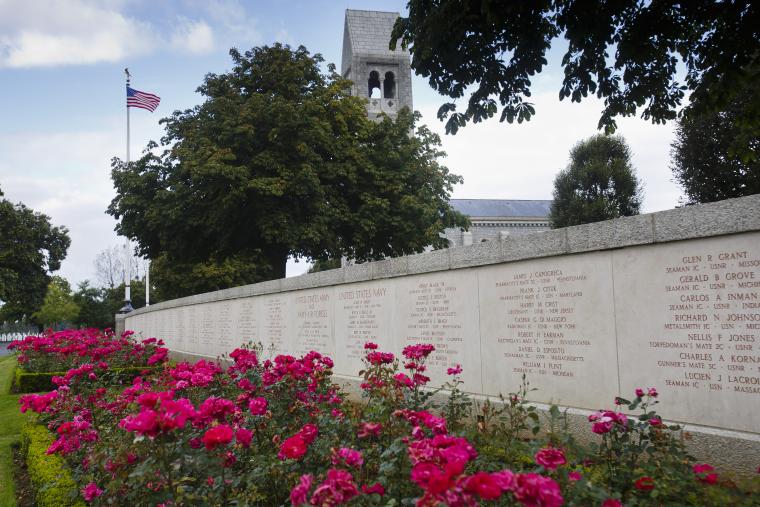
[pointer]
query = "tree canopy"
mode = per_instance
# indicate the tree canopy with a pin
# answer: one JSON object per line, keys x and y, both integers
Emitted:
{"x": 627, "y": 53}
{"x": 703, "y": 162}
{"x": 280, "y": 160}
{"x": 59, "y": 306}
{"x": 30, "y": 249}
{"x": 598, "y": 184}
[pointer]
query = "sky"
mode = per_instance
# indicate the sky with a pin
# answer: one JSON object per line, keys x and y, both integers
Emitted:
{"x": 62, "y": 104}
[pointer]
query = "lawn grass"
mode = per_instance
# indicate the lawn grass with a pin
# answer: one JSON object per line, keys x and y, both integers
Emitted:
{"x": 11, "y": 421}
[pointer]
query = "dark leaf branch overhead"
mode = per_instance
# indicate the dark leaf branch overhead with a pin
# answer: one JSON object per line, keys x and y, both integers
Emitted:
{"x": 629, "y": 53}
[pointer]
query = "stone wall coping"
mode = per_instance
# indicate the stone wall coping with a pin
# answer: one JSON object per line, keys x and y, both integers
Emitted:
{"x": 730, "y": 216}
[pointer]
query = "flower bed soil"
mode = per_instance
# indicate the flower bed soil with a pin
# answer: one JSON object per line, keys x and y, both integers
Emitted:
{"x": 24, "y": 490}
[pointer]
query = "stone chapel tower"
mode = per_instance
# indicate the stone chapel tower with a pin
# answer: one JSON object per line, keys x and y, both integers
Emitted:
{"x": 382, "y": 76}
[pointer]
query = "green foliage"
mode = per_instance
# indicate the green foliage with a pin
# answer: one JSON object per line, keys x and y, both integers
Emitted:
{"x": 280, "y": 160}
{"x": 37, "y": 382}
{"x": 59, "y": 306}
{"x": 94, "y": 308}
{"x": 25, "y": 382}
{"x": 175, "y": 279}
{"x": 11, "y": 421}
{"x": 324, "y": 265}
{"x": 113, "y": 299}
{"x": 30, "y": 248}
{"x": 715, "y": 157}
{"x": 627, "y": 53}
{"x": 98, "y": 306}
{"x": 599, "y": 184}
{"x": 48, "y": 473}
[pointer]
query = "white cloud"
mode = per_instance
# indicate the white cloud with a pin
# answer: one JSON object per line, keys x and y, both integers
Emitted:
{"x": 75, "y": 32}
{"x": 67, "y": 177}
{"x": 235, "y": 25}
{"x": 50, "y": 32}
{"x": 519, "y": 161}
{"x": 195, "y": 37}
{"x": 284, "y": 36}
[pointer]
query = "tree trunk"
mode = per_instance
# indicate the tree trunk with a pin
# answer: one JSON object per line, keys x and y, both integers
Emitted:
{"x": 278, "y": 259}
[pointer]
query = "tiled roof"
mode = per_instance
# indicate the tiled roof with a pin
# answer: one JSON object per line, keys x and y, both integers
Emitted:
{"x": 501, "y": 207}
{"x": 370, "y": 32}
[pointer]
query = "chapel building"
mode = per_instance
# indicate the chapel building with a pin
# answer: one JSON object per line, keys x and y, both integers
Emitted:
{"x": 384, "y": 77}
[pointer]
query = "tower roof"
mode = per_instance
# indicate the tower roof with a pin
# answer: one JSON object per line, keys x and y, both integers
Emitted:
{"x": 369, "y": 33}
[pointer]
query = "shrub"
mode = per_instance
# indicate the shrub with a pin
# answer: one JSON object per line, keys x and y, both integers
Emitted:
{"x": 279, "y": 431}
{"x": 63, "y": 350}
{"x": 25, "y": 382}
{"x": 48, "y": 473}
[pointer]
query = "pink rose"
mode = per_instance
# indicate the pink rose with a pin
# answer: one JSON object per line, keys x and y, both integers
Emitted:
{"x": 534, "y": 489}
{"x": 300, "y": 493}
{"x": 336, "y": 489}
{"x": 703, "y": 473}
{"x": 244, "y": 436}
{"x": 370, "y": 430}
{"x": 506, "y": 479}
{"x": 258, "y": 406}
{"x": 309, "y": 432}
{"x": 216, "y": 436}
{"x": 348, "y": 456}
{"x": 91, "y": 492}
{"x": 484, "y": 485}
{"x": 550, "y": 458}
{"x": 292, "y": 448}
{"x": 375, "y": 489}
{"x": 455, "y": 370}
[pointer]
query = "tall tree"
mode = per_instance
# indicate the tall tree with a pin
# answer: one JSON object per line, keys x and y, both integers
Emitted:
{"x": 174, "y": 279}
{"x": 598, "y": 184}
{"x": 627, "y": 53}
{"x": 58, "y": 307}
{"x": 703, "y": 161}
{"x": 94, "y": 310}
{"x": 30, "y": 249}
{"x": 109, "y": 267}
{"x": 280, "y": 160}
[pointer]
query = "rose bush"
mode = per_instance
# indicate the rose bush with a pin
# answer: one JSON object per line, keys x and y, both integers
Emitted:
{"x": 63, "y": 350}
{"x": 280, "y": 432}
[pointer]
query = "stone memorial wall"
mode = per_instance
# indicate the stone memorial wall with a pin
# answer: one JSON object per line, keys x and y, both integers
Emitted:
{"x": 670, "y": 299}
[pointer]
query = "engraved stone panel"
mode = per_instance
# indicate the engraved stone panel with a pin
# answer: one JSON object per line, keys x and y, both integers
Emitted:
{"x": 551, "y": 320}
{"x": 223, "y": 311}
{"x": 207, "y": 329}
{"x": 312, "y": 318}
{"x": 193, "y": 328}
{"x": 689, "y": 323}
{"x": 275, "y": 324}
{"x": 246, "y": 320}
{"x": 441, "y": 309}
{"x": 363, "y": 313}
{"x": 179, "y": 341}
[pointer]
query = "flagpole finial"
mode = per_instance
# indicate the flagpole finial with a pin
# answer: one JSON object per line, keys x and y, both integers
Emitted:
{"x": 126, "y": 72}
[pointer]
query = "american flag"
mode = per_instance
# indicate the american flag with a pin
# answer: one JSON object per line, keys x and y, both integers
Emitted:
{"x": 136, "y": 98}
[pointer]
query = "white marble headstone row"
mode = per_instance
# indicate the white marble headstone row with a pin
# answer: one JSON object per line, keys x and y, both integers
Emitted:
{"x": 683, "y": 317}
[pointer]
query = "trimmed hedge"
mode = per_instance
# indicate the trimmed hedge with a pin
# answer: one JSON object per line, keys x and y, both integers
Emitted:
{"x": 50, "y": 477}
{"x": 27, "y": 382}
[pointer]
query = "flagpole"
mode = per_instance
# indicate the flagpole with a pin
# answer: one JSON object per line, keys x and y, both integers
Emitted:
{"x": 147, "y": 283}
{"x": 127, "y": 264}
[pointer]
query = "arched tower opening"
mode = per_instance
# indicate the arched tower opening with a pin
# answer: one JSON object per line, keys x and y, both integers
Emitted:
{"x": 373, "y": 85}
{"x": 389, "y": 85}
